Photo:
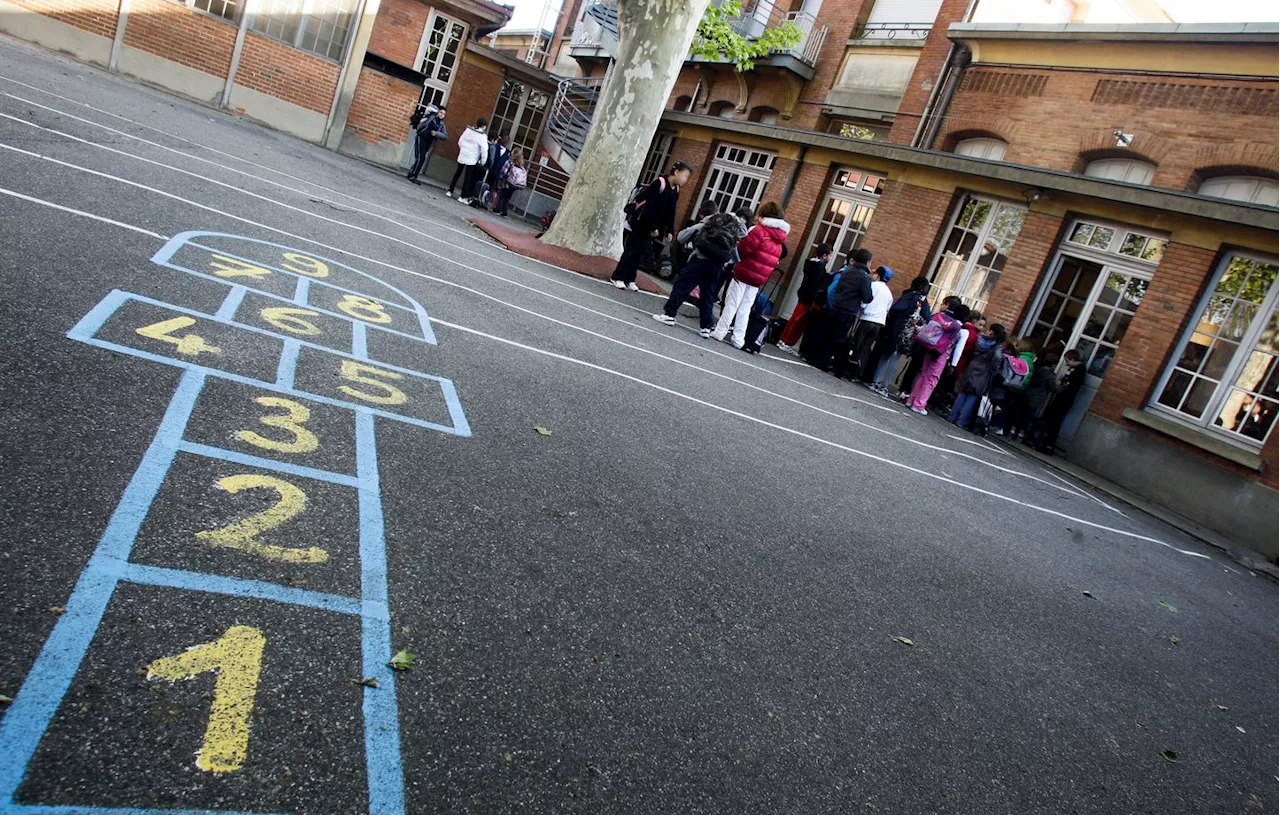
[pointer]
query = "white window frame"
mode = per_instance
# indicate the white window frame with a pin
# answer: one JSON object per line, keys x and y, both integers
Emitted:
{"x": 983, "y": 148}
{"x": 966, "y": 276}
{"x": 433, "y": 82}
{"x": 746, "y": 165}
{"x": 1249, "y": 341}
{"x": 500, "y": 124}
{"x": 234, "y": 20}
{"x": 304, "y": 10}
{"x": 1119, "y": 249}
{"x": 658, "y": 157}
{"x": 1136, "y": 171}
{"x": 1261, "y": 185}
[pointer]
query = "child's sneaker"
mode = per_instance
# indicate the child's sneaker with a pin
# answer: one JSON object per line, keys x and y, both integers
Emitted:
{"x": 618, "y": 284}
{"x": 784, "y": 348}
{"x": 664, "y": 319}
{"x": 921, "y": 411}
{"x": 705, "y": 333}
{"x": 632, "y": 286}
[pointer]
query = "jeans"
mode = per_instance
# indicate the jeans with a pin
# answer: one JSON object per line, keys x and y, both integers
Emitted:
{"x": 703, "y": 274}
{"x": 633, "y": 248}
{"x": 422, "y": 147}
{"x": 886, "y": 369}
{"x": 737, "y": 311}
{"x": 964, "y": 408}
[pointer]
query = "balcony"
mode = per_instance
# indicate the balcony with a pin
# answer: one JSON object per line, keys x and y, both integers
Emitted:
{"x": 901, "y": 35}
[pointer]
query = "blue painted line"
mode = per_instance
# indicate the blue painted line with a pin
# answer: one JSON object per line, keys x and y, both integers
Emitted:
{"x": 271, "y": 386}
{"x": 28, "y": 716}
{"x": 300, "y": 291}
{"x": 268, "y": 464}
{"x": 383, "y": 764}
{"x": 456, "y": 415}
{"x": 37, "y": 809}
{"x": 359, "y": 341}
{"x": 424, "y": 322}
{"x": 232, "y": 302}
{"x": 287, "y": 368}
{"x": 238, "y": 587}
{"x": 98, "y": 315}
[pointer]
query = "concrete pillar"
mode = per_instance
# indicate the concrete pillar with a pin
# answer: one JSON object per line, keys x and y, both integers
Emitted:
{"x": 350, "y": 75}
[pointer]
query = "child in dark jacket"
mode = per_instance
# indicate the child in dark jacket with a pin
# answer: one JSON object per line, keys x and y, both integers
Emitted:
{"x": 981, "y": 373}
{"x": 815, "y": 272}
{"x": 1064, "y": 398}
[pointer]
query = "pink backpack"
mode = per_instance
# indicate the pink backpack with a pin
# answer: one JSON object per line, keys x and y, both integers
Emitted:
{"x": 939, "y": 334}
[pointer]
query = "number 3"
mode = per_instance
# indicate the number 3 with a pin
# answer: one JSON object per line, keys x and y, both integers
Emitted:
{"x": 356, "y": 372}
{"x": 304, "y": 441}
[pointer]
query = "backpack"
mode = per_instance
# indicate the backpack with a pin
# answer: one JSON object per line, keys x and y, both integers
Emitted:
{"x": 717, "y": 238}
{"x": 634, "y": 205}
{"x": 939, "y": 334}
{"x": 517, "y": 177}
{"x": 415, "y": 118}
{"x": 1014, "y": 372}
{"x": 831, "y": 288}
{"x": 907, "y": 338}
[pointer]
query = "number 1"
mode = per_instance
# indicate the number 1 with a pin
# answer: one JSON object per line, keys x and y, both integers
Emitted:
{"x": 237, "y": 658}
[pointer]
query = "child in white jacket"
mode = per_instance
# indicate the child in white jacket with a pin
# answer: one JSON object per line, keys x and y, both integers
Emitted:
{"x": 473, "y": 149}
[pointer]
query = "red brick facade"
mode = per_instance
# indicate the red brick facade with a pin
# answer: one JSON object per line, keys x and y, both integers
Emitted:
{"x": 1028, "y": 261}
{"x": 905, "y": 228}
{"x": 381, "y": 108}
{"x": 936, "y": 49}
{"x": 397, "y": 31}
{"x": 95, "y": 16}
{"x": 286, "y": 73}
{"x": 156, "y": 26}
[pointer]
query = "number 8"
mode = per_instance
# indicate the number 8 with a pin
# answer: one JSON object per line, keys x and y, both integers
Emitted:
{"x": 362, "y": 308}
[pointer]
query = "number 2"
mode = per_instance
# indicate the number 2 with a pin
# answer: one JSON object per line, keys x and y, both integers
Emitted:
{"x": 243, "y": 534}
{"x": 304, "y": 441}
{"x": 236, "y": 656}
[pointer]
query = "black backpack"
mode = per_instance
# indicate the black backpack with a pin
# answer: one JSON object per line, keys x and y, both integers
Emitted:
{"x": 717, "y": 238}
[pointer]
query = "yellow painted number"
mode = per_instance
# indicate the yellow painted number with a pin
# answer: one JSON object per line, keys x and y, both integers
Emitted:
{"x": 188, "y": 345}
{"x": 301, "y": 264}
{"x": 236, "y": 657}
{"x": 290, "y": 319}
{"x": 385, "y": 394}
{"x": 224, "y": 266}
{"x": 243, "y": 535}
{"x": 295, "y": 415}
{"x": 362, "y": 308}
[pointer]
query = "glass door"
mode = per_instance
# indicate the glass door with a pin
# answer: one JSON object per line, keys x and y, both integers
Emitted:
{"x": 843, "y": 221}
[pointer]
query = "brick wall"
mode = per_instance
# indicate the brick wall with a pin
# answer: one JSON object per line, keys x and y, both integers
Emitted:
{"x": 932, "y": 58}
{"x": 397, "y": 30}
{"x": 1023, "y": 270}
{"x": 905, "y": 229}
{"x": 1049, "y": 118}
{"x": 95, "y": 16}
{"x": 380, "y": 108}
{"x": 180, "y": 34}
{"x": 475, "y": 92}
{"x": 842, "y": 17}
{"x": 286, "y": 73}
{"x": 698, "y": 156}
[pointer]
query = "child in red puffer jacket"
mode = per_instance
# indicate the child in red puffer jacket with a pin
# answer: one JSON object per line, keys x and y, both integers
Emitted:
{"x": 758, "y": 254}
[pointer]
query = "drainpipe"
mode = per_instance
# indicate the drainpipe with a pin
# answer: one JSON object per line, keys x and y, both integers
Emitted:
{"x": 795, "y": 175}
{"x": 960, "y": 61}
{"x": 937, "y": 85}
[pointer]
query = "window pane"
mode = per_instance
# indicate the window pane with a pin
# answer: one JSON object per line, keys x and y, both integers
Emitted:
{"x": 1195, "y": 352}
{"x": 1133, "y": 245}
{"x": 1101, "y": 237}
{"x": 1155, "y": 250}
{"x": 1117, "y": 328}
{"x": 1101, "y": 361}
{"x": 1198, "y": 398}
{"x": 1219, "y": 358}
{"x": 1173, "y": 392}
{"x": 1081, "y": 234}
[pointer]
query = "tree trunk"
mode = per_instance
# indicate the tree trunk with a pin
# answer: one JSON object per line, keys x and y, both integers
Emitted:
{"x": 653, "y": 42}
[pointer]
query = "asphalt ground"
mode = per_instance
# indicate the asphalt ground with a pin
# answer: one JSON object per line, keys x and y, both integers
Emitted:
{"x": 683, "y": 599}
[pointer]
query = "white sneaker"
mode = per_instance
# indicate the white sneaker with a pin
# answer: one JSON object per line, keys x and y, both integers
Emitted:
{"x": 920, "y": 411}
{"x": 632, "y": 287}
{"x": 717, "y": 337}
{"x": 464, "y": 201}
{"x": 664, "y": 319}
{"x": 448, "y": 194}
{"x": 736, "y": 344}
{"x": 705, "y": 333}
{"x": 618, "y": 284}
{"x": 784, "y": 348}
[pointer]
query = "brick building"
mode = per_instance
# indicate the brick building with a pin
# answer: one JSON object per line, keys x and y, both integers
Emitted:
{"x": 1110, "y": 184}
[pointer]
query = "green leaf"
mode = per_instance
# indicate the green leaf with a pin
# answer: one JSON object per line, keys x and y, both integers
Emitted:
{"x": 402, "y": 661}
{"x": 1171, "y": 608}
{"x": 4, "y": 700}
{"x": 1173, "y": 640}
{"x": 1086, "y": 593}
{"x": 1169, "y": 755}
{"x": 716, "y": 39}
{"x": 903, "y": 640}
{"x": 368, "y": 681}
{"x": 542, "y": 431}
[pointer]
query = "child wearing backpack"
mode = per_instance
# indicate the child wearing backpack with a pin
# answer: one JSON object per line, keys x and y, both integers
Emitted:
{"x": 514, "y": 177}
{"x": 908, "y": 313}
{"x": 1015, "y": 407}
{"x": 815, "y": 271}
{"x": 758, "y": 254}
{"x": 980, "y": 375}
{"x": 713, "y": 240}
{"x": 939, "y": 338}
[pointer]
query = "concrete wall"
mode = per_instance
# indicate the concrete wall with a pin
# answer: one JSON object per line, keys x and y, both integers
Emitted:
{"x": 56, "y": 33}
{"x": 1244, "y": 512}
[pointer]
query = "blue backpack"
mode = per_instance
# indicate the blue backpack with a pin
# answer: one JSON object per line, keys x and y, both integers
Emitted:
{"x": 831, "y": 290}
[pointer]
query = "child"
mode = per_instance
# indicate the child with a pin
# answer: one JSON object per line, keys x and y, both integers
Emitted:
{"x": 1016, "y": 416}
{"x": 815, "y": 271}
{"x": 871, "y": 322}
{"x": 912, "y": 304}
{"x": 514, "y": 177}
{"x": 949, "y": 342}
{"x": 981, "y": 373}
{"x": 1064, "y": 398}
{"x": 758, "y": 254}
{"x": 712, "y": 241}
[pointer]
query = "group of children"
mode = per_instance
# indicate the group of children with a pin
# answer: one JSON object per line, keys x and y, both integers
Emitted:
{"x": 849, "y": 323}
{"x": 490, "y": 172}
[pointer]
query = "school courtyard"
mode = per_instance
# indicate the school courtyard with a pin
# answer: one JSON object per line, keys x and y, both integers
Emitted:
{"x": 274, "y": 418}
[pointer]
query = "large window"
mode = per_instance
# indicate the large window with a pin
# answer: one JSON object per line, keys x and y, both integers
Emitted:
{"x": 991, "y": 149}
{"x": 1130, "y": 171}
{"x": 518, "y": 114}
{"x": 1247, "y": 188}
{"x": 737, "y": 177}
{"x": 977, "y": 248}
{"x": 1224, "y": 377}
{"x": 318, "y": 26}
{"x": 226, "y": 9}
{"x": 659, "y": 156}
{"x": 438, "y": 56}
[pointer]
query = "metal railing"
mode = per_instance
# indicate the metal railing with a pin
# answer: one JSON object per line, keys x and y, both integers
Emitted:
{"x": 812, "y": 36}
{"x": 543, "y": 191}
{"x": 760, "y": 15}
{"x": 572, "y": 111}
{"x": 891, "y": 31}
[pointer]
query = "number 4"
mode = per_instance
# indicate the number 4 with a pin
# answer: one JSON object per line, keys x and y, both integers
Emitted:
{"x": 188, "y": 345}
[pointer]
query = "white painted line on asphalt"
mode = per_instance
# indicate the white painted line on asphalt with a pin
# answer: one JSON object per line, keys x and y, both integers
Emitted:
{"x": 81, "y": 212}
{"x": 1094, "y": 498}
{"x": 810, "y": 437}
{"x": 522, "y": 309}
{"x": 997, "y": 448}
{"x": 308, "y": 213}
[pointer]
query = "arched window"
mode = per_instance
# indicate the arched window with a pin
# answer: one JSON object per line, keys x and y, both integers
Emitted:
{"x": 722, "y": 109}
{"x": 991, "y": 149}
{"x": 683, "y": 103}
{"x": 1251, "y": 189}
{"x": 764, "y": 115}
{"x": 1128, "y": 170}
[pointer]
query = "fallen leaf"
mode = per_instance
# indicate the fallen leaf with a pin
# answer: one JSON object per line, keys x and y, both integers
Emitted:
{"x": 903, "y": 640}
{"x": 402, "y": 661}
{"x": 1170, "y": 606}
{"x": 1169, "y": 755}
{"x": 56, "y": 609}
{"x": 507, "y": 757}
{"x": 1241, "y": 729}
{"x": 542, "y": 431}
{"x": 1087, "y": 593}
{"x": 1221, "y": 707}
{"x": 368, "y": 681}
{"x": 5, "y": 699}
{"x": 1173, "y": 640}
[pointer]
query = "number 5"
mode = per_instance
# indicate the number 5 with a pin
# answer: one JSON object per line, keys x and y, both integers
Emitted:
{"x": 386, "y": 395}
